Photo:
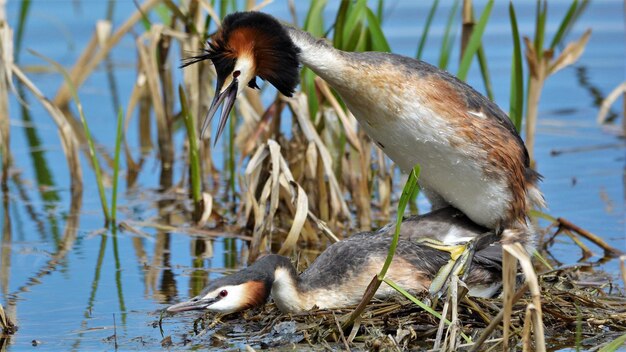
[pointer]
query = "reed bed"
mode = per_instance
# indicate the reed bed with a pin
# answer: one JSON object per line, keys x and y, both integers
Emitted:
{"x": 281, "y": 189}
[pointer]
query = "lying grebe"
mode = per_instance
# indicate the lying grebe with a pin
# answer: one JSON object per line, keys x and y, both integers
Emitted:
{"x": 340, "y": 275}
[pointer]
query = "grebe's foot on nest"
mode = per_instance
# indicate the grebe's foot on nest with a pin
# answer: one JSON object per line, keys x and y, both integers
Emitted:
{"x": 461, "y": 257}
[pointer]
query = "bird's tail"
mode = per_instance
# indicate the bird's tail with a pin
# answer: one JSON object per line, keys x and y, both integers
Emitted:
{"x": 534, "y": 196}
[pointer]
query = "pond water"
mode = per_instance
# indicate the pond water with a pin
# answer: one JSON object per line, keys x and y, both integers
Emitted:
{"x": 70, "y": 285}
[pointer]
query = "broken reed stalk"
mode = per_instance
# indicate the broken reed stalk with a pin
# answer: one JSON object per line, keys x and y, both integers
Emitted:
{"x": 467, "y": 15}
{"x": 608, "y": 250}
{"x": 542, "y": 62}
{"x": 512, "y": 254}
{"x": 69, "y": 141}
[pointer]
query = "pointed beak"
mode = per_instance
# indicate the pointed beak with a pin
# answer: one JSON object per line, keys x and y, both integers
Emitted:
{"x": 196, "y": 303}
{"x": 226, "y": 98}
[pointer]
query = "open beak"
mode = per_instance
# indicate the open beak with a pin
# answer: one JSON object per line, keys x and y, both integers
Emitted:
{"x": 196, "y": 303}
{"x": 227, "y": 98}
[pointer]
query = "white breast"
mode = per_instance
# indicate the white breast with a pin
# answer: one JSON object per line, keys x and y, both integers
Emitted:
{"x": 412, "y": 134}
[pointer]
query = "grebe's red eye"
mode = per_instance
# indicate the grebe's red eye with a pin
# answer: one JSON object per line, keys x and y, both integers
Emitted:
{"x": 223, "y": 293}
{"x": 236, "y": 74}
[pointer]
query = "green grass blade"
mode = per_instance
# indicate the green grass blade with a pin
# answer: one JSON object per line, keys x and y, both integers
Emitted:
{"x": 380, "y": 11}
{"x": 314, "y": 22}
{"x": 340, "y": 24}
{"x": 21, "y": 25}
{"x": 516, "y": 100}
{"x": 543, "y": 260}
{"x": 540, "y": 26}
{"x": 407, "y": 192}
{"x": 475, "y": 41}
{"x": 194, "y": 158}
{"x": 355, "y": 16}
{"x": 429, "y": 21}
{"x": 379, "y": 42}
{"x": 92, "y": 148}
{"x": 422, "y": 305}
{"x": 145, "y": 21}
{"x": 484, "y": 71}
{"x": 116, "y": 164}
{"x": 614, "y": 345}
{"x": 565, "y": 24}
{"x": 448, "y": 37}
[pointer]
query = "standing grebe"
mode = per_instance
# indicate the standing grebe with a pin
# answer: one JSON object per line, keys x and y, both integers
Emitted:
{"x": 340, "y": 275}
{"x": 471, "y": 155}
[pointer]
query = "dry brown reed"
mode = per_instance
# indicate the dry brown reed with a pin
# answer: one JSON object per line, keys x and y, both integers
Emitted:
{"x": 543, "y": 64}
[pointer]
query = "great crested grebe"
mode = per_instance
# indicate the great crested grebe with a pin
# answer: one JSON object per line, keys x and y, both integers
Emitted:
{"x": 340, "y": 275}
{"x": 471, "y": 155}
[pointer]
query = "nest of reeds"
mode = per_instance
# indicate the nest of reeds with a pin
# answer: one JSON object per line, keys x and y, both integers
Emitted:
{"x": 578, "y": 310}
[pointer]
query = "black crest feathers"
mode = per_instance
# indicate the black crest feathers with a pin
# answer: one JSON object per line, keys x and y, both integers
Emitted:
{"x": 261, "y": 35}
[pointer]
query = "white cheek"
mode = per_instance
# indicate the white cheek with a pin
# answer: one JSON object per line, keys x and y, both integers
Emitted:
{"x": 225, "y": 305}
{"x": 231, "y": 303}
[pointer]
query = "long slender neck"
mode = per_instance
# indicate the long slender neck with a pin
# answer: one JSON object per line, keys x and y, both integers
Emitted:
{"x": 317, "y": 54}
{"x": 286, "y": 291}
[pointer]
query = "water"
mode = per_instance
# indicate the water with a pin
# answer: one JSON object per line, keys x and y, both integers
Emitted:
{"x": 71, "y": 287}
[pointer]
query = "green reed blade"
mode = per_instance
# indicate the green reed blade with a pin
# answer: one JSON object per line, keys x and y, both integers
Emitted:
{"x": 91, "y": 144}
{"x": 540, "y": 26}
{"x": 448, "y": 37}
{"x": 565, "y": 24}
{"x": 516, "y": 100}
{"x": 379, "y": 42}
{"x": 116, "y": 164}
{"x": 21, "y": 25}
{"x": 145, "y": 21}
{"x": 340, "y": 24}
{"x": 354, "y": 18}
{"x": 194, "y": 158}
{"x": 474, "y": 42}
{"x": 407, "y": 192}
{"x": 314, "y": 22}
{"x": 484, "y": 71}
{"x": 429, "y": 21}
{"x": 614, "y": 345}
{"x": 380, "y": 7}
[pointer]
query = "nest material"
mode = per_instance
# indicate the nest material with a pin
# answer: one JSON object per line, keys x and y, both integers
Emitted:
{"x": 576, "y": 313}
